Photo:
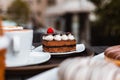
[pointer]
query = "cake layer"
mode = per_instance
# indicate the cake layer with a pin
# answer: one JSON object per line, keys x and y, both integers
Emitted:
{"x": 59, "y": 49}
{"x": 59, "y": 46}
{"x": 59, "y": 43}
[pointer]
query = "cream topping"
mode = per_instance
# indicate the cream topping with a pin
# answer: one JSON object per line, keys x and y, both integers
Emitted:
{"x": 43, "y": 37}
{"x": 71, "y": 37}
{"x": 57, "y": 37}
{"x": 64, "y": 37}
{"x": 48, "y": 37}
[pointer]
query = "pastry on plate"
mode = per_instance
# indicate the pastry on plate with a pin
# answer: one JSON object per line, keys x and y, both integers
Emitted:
{"x": 112, "y": 54}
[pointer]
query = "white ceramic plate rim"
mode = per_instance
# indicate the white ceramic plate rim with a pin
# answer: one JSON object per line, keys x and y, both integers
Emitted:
{"x": 79, "y": 48}
{"x": 33, "y": 58}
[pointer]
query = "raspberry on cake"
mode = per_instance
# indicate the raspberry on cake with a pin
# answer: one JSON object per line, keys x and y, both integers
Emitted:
{"x": 50, "y": 30}
{"x": 57, "y": 43}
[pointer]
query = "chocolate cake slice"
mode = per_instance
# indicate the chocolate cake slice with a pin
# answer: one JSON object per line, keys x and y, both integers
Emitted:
{"x": 58, "y": 43}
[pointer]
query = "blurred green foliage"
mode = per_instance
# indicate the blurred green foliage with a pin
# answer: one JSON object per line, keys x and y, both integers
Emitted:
{"x": 107, "y": 24}
{"x": 19, "y": 12}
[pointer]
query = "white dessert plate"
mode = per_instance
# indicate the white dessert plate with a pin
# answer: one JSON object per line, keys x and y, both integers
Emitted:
{"x": 79, "y": 48}
{"x": 33, "y": 58}
{"x": 52, "y": 74}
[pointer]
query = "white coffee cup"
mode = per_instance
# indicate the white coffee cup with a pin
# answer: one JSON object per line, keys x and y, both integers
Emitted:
{"x": 20, "y": 44}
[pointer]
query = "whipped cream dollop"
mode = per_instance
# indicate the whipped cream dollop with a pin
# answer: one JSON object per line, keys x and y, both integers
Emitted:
{"x": 48, "y": 37}
{"x": 58, "y": 37}
{"x": 71, "y": 37}
{"x": 64, "y": 37}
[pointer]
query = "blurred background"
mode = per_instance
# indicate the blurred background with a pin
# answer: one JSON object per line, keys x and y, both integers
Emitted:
{"x": 93, "y": 22}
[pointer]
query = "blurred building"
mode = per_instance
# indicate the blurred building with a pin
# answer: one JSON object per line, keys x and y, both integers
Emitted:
{"x": 75, "y": 14}
{"x": 38, "y": 8}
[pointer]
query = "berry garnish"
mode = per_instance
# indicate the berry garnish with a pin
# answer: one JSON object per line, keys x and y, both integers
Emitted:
{"x": 50, "y": 30}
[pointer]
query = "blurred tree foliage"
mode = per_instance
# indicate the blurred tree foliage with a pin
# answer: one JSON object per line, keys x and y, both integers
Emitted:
{"x": 19, "y": 12}
{"x": 108, "y": 22}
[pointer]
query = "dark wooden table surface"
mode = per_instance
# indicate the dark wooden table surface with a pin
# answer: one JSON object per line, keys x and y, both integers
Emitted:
{"x": 21, "y": 73}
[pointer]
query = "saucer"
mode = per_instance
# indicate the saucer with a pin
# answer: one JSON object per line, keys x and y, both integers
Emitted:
{"x": 33, "y": 58}
{"x": 79, "y": 48}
